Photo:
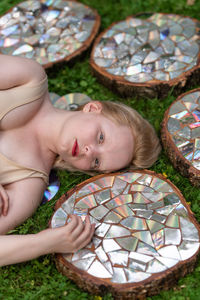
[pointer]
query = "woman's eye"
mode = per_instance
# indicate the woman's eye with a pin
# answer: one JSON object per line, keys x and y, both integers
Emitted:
{"x": 101, "y": 138}
{"x": 96, "y": 162}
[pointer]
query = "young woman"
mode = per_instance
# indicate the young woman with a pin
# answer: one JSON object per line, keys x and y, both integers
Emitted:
{"x": 34, "y": 137}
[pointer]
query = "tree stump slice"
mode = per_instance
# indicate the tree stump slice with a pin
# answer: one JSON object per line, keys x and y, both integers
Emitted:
{"x": 148, "y": 57}
{"x": 48, "y": 31}
{"x": 146, "y": 236}
{"x": 181, "y": 135}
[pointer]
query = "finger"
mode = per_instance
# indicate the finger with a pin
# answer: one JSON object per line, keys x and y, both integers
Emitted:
{"x": 86, "y": 234}
{"x": 5, "y": 199}
{"x": 87, "y": 240}
{"x": 72, "y": 224}
{"x": 5, "y": 205}
{"x": 1, "y": 205}
{"x": 79, "y": 228}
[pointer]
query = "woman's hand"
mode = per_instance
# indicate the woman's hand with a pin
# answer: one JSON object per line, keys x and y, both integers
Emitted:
{"x": 4, "y": 201}
{"x": 71, "y": 237}
{"x": 66, "y": 239}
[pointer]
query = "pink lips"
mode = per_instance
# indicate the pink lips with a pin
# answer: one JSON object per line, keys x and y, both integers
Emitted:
{"x": 75, "y": 149}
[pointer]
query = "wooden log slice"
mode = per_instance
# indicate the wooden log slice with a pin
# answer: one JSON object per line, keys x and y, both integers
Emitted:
{"x": 48, "y": 31}
{"x": 146, "y": 236}
{"x": 181, "y": 135}
{"x": 147, "y": 57}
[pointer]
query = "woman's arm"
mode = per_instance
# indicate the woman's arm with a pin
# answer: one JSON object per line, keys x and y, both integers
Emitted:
{"x": 24, "y": 197}
{"x": 65, "y": 239}
{"x": 16, "y": 71}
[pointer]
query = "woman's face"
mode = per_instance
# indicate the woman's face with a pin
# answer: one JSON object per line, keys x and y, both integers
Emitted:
{"x": 94, "y": 142}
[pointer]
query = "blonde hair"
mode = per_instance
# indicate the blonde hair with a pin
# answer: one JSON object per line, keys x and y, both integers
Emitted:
{"x": 146, "y": 143}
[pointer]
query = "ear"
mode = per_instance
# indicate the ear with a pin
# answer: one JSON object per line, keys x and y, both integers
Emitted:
{"x": 93, "y": 106}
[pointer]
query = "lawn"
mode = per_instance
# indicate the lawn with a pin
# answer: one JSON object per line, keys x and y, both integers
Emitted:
{"x": 39, "y": 278}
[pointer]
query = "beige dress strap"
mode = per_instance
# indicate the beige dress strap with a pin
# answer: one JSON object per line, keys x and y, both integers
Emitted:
{"x": 17, "y": 96}
{"x": 10, "y": 171}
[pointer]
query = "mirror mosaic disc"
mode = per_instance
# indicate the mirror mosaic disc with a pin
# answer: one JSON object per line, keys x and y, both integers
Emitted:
{"x": 132, "y": 243}
{"x": 181, "y": 127}
{"x": 47, "y": 31}
{"x": 160, "y": 47}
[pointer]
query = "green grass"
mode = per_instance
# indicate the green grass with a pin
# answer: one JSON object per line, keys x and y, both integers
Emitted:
{"x": 39, "y": 278}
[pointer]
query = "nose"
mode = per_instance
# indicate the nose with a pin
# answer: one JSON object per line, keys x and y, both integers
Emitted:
{"x": 90, "y": 150}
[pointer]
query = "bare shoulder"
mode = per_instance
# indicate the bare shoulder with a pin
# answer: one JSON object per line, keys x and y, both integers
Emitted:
{"x": 22, "y": 81}
{"x": 24, "y": 198}
{"x": 17, "y": 71}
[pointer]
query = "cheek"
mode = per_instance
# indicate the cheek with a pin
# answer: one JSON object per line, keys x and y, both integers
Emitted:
{"x": 86, "y": 131}
{"x": 88, "y": 126}
{"x": 82, "y": 164}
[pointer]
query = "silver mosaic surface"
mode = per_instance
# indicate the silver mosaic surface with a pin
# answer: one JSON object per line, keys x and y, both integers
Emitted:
{"x": 46, "y": 30}
{"x": 132, "y": 242}
{"x": 183, "y": 125}
{"x": 159, "y": 48}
